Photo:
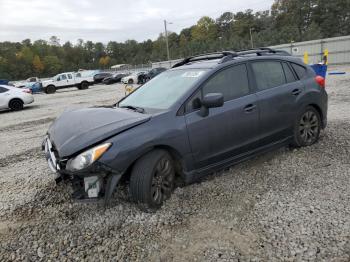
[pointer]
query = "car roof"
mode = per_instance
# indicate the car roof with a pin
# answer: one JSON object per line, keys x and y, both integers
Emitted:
{"x": 66, "y": 73}
{"x": 214, "y": 60}
{"x": 200, "y": 64}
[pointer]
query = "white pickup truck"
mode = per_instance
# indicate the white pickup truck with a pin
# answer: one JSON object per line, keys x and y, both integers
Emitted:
{"x": 65, "y": 80}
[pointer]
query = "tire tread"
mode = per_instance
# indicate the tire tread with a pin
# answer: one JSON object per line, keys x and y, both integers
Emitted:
{"x": 141, "y": 176}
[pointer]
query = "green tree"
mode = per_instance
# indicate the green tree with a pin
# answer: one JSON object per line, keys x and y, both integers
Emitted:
{"x": 37, "y": 64}
{"x": 52, "y": 65}
{"x": 204, "y": 30}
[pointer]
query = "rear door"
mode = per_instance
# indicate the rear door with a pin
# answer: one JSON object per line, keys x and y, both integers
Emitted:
{"x": 227, "y": 130}
{"x": 278, "y": 91}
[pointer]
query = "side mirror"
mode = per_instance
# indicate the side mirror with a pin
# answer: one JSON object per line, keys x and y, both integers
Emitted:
{"x": 211, "y": 100}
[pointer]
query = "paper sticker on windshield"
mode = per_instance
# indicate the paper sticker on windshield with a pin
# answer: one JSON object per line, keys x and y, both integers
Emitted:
{"x": 192, "y": 74}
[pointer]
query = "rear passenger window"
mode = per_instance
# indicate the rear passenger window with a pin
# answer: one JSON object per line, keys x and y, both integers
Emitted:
{"x": 288, "y": 72}
{"x": 63, "y": 77}
{"x": 231, "y": 82}
{"x": 299, "y": 70}
{"x": 70, "y": 76}
{"x": 268, "y": 74}
{"x": 3, "y": 89}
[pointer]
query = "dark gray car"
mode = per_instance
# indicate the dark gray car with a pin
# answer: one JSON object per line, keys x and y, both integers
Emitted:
{"x": 206, "y": 113}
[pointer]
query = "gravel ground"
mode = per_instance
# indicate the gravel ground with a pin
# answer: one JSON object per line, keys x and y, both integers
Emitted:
{"x": 290, "y": 205}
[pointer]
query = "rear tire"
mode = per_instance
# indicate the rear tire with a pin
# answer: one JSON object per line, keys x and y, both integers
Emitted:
{"x": 152, "y": 180}
{"x": 16, "y": 104}
{"x": 51, "y": 89}
{"x": 307, "y": 127}
{"x": 84, "y": 85}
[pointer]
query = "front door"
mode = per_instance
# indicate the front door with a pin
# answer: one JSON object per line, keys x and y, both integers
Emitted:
{"x": 228, "y": 130}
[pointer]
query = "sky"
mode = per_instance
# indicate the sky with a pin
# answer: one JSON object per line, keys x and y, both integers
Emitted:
{"x": 108, "y": 20}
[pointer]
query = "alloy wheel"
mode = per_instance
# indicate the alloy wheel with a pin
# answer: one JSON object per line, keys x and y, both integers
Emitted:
{"x": 309, "y": 127}
{"x": 162, "y": 181}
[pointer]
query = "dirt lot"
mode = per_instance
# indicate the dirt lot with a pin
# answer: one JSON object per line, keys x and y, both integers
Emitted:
{"x": 285, "y": 205}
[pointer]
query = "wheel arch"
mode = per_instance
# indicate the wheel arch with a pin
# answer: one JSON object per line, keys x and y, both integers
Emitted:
{"x": 14, "y": 99}
{"x": 49, "y": 86}
{"x": 175, "y": 155}
{"x": 318, "y": 109}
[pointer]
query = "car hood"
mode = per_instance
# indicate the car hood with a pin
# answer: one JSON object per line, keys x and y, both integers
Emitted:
{"x": 76, "y": 130}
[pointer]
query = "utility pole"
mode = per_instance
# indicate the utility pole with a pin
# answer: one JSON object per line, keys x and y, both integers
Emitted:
{"x": 166, "y": 39}
{"x": 251, "y": 38}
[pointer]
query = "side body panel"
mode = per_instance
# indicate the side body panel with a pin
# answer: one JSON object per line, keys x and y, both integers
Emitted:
{"x": 226, "y": 131}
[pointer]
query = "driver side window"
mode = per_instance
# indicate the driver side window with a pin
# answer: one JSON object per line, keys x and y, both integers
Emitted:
{"x": 231, "y": 82}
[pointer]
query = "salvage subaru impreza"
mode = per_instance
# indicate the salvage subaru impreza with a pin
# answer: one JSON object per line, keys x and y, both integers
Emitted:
{"x": 206, "y": 113}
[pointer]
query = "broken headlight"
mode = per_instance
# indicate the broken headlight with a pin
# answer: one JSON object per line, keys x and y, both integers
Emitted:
{"x": 86, "y": 158}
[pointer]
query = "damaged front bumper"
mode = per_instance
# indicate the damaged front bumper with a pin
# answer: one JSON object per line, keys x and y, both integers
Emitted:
{"x": 95, "y": 183}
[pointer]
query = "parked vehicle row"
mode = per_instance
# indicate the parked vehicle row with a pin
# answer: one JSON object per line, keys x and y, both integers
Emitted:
{"x": 83, "y": 79}
{"x": 134, "y": 78}
{"x": 115, "y": 78}
{"x": 99, "y": 77}
{"x": 138, "y": 77}
{"x": 20, "y": 93}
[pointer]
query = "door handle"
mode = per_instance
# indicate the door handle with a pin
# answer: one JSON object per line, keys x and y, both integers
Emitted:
{"x": 249, "y": 108}
{"x": 296, "y": 92}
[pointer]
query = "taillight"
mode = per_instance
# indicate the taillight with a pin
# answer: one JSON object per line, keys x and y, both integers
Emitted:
{"x": 28, "y": 91}
{"x": 321, "y": 81}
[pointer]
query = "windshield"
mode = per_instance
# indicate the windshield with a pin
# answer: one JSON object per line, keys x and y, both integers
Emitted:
{"x": 164, "y": 90}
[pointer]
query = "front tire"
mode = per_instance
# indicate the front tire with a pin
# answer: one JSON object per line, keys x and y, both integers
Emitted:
{"x": 152, "y": 180}
{"x": 130, "y": 81}
{"x": 16, "y": 105}
{"x": 307, "y": 127}
{"x": 51, "y": 89}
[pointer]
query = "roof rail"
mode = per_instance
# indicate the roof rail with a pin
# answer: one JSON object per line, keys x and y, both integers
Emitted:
{"x": 208, "y": 56}
{"x": 263, "y": 50}
{"x": 229, "y": 55}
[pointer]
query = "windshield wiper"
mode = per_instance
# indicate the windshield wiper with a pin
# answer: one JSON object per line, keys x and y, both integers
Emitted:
{"x": 135, "y": 108}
